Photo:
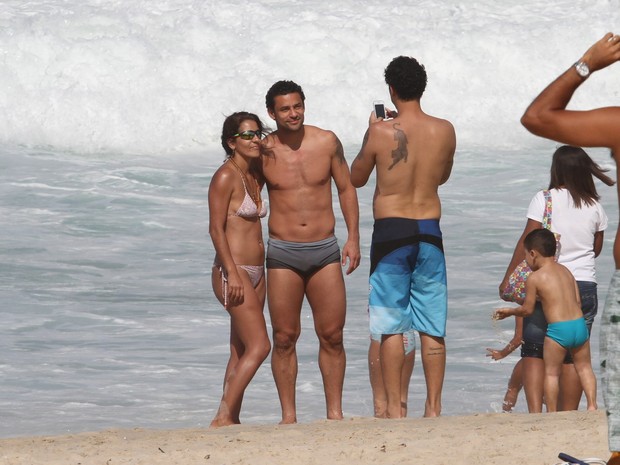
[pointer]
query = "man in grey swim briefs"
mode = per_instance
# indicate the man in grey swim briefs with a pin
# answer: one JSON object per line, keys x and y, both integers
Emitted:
{"x": 303, "y": 258}
{"x": 412, "y": 153}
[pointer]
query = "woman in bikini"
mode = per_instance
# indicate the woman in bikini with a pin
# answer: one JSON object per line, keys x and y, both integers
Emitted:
{"x": 235, "y": 210}
{"x": 580, "y": 219}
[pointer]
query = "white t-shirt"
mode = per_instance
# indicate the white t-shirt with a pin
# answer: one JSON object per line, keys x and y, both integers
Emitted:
{"x": 576, "y": 227}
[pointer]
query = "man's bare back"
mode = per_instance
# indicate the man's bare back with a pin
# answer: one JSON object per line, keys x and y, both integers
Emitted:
{"x": 413, "y": 154}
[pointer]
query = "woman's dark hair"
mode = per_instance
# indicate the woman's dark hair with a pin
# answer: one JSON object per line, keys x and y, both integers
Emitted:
{"x": 407, "y": 77}
{"x": 573, "y": 169}
{"x": 232, "y": 124}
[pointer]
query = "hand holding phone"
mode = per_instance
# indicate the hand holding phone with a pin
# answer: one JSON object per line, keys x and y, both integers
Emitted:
{"x": 379, "y": 109}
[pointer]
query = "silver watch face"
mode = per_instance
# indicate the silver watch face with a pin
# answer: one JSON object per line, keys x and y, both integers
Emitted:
{"x": 582, "y": 69}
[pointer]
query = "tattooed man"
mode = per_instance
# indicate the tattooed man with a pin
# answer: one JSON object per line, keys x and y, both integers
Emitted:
{"x": 413, "y": 155}
{"x": 299, "y": 163}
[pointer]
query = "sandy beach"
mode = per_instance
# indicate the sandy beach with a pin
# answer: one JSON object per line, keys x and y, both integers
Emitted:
{"x": 476, "y": 439}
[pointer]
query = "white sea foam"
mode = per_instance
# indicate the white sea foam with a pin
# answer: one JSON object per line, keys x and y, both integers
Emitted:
{"x": 159, "y": 76}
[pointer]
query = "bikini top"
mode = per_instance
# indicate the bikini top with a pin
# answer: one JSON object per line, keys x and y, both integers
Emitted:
{"x": 249, "y": 209}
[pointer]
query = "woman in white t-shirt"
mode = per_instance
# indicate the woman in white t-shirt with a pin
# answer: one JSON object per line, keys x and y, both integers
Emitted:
{"x": 580, "y": 220}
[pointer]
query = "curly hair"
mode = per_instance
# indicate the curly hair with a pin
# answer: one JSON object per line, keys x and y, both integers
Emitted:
{"x": 407, "y": 77}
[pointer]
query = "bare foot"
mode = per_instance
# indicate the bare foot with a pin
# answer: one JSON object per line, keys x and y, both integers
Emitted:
{"x": 220, "y": 421}
{"x": 288, "y": 420}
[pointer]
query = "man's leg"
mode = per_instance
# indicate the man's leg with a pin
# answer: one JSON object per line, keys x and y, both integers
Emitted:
{"x": 609, "y": 343}
{"x": 285, "y": 293}
{"x": 434, "y": 364}
{"x": 326, "y": 295}
{"x": 376, "y": 379}
{"x": 392, "y": 362}
{"x": 405, "y": 377}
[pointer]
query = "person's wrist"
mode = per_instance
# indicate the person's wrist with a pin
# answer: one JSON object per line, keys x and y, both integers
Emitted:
{"x": 582, "y": 67}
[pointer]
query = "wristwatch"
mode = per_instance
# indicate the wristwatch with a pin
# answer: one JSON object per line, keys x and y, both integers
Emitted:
{"x": 582, "y": 69}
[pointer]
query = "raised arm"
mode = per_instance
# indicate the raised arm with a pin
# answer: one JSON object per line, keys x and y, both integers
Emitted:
{"x": 364, "y": 163}
{"x": 347, "y": 196}
{"x": 547, "y": 115}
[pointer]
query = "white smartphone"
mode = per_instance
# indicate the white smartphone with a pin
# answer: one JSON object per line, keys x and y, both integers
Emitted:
{"x": 379, "y": 109}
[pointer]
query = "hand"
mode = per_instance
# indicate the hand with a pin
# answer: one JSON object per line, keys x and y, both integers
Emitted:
{"x": 391, "y": 113}
{"x": 495, "y": 354}
{"x": 603, "y": 53}
{"x": 234, "y": 286}
{"x": 372, "y": 119}
{"x": 501, "y": 313}
{"x": 351, "y": 250}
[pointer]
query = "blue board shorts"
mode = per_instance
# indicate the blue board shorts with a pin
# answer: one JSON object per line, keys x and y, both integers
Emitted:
{"x": 569, "y": 334}
{"x": 408, "y": 284}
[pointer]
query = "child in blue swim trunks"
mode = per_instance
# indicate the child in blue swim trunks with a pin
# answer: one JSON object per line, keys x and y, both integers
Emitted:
{"x": 554, "y": 285}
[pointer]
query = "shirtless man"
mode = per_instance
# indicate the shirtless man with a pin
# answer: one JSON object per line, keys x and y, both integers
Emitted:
{"x": 547, "y": 117}
{"x": 303, "y": 257}
{"x": 413, "y": 155}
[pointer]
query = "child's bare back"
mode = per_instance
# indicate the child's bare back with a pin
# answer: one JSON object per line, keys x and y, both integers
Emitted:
{"x": 558, "y": 292}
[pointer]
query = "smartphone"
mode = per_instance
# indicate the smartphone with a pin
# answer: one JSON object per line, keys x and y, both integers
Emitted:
{"x": 379, "y": 109}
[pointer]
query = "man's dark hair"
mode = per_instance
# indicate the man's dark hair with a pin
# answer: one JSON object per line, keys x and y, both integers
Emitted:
{"x": 542, "y": 241}
{"x": 282, "y": 88}
{"x": 407, "y": 77}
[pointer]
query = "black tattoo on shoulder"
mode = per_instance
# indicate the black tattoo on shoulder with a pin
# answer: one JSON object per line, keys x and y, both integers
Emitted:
{"x": 400, "y": 152}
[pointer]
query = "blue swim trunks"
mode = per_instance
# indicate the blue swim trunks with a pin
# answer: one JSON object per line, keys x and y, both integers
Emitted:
{"x": 569, "y": 334}
{"x": 408, "y": 284}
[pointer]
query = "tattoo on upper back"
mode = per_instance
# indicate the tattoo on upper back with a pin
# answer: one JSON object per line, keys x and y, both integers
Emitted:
{"x": 400, "y": 152}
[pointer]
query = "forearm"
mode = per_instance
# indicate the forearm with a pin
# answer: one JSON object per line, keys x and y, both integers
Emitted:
{"x": 510, "y": 347}
{"x": 521, "y": 311}
{"x": 539, "y": 116}
{"x": 350, "y": 211}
